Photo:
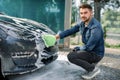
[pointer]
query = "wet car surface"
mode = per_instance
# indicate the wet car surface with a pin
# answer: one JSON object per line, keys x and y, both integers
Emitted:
{"x": 22, "y": 49}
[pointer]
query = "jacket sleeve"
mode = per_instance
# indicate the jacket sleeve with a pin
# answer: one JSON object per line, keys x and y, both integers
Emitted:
{"x": 69, "y": 31}
{"x": 96, "y": 34}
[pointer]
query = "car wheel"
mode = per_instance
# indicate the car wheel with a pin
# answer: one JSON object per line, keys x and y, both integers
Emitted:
{"x": 1, "y": 76}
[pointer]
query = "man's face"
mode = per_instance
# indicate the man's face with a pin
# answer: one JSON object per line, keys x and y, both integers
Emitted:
{"x": 85, "y": 14}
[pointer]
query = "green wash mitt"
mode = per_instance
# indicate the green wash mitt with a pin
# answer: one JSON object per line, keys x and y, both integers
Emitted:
{"x": 49, "y": 40}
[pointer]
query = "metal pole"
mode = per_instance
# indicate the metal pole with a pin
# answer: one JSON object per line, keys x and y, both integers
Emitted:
{"x": 67, "y": 21}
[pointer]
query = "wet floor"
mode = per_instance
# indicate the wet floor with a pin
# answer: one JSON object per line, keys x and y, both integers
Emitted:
{"x": 62, "y": 69}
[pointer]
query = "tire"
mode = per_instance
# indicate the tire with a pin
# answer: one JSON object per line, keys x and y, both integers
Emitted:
{"x": 1, "y": 75}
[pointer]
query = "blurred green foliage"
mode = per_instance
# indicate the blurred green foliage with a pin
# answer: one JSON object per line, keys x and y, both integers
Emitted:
{"x": 111, "y": 19}
{"x": 112, "y": 45}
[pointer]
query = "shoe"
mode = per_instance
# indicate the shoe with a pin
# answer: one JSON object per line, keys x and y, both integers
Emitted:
{"x": 91, "y": 74}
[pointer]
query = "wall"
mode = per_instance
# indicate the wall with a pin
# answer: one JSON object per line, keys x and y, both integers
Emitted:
{"x": 49, "y": 12}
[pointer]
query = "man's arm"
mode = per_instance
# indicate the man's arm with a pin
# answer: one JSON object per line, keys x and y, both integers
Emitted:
{"x": 67, "y": 32}
{"x": 96, "y": 35}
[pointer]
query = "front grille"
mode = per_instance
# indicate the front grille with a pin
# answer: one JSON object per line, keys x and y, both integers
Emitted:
{"x": 23, "y": 59}
{"x": 23, "y": 54}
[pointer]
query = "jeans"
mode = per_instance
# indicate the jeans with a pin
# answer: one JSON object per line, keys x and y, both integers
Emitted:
{"x": 86, "y": 60}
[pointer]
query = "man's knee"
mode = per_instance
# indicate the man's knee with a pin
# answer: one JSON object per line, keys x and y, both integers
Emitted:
{"x": 71, "y": 56}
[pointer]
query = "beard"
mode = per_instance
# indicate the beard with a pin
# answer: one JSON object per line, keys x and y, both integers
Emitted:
{"x": 85, "y": 19}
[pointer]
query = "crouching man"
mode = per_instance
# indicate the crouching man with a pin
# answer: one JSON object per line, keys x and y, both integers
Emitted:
{"x": 88, "y": 55}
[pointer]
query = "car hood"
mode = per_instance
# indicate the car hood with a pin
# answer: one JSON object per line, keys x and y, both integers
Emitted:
{"x": 20, "y": 32}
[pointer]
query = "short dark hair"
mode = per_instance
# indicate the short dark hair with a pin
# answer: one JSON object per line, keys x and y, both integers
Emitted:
{"x": 85, "y": 6}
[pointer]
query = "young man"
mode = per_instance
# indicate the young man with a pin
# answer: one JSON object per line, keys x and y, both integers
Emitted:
{"x": 88, "y": 55}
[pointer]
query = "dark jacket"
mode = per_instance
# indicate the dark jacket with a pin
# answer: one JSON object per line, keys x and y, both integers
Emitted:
{"x": 92, "y": 36}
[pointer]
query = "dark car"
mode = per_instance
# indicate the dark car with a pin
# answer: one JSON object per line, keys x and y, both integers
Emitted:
{"x": 22, "y": 49}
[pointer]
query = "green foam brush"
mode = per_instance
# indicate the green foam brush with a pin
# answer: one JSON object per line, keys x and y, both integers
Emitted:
{"x": 49, "y": 40}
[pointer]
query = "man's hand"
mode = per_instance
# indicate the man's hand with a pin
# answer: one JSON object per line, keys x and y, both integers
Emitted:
{"x": 76, "y": 48}
{"x": 57, "y": 36}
